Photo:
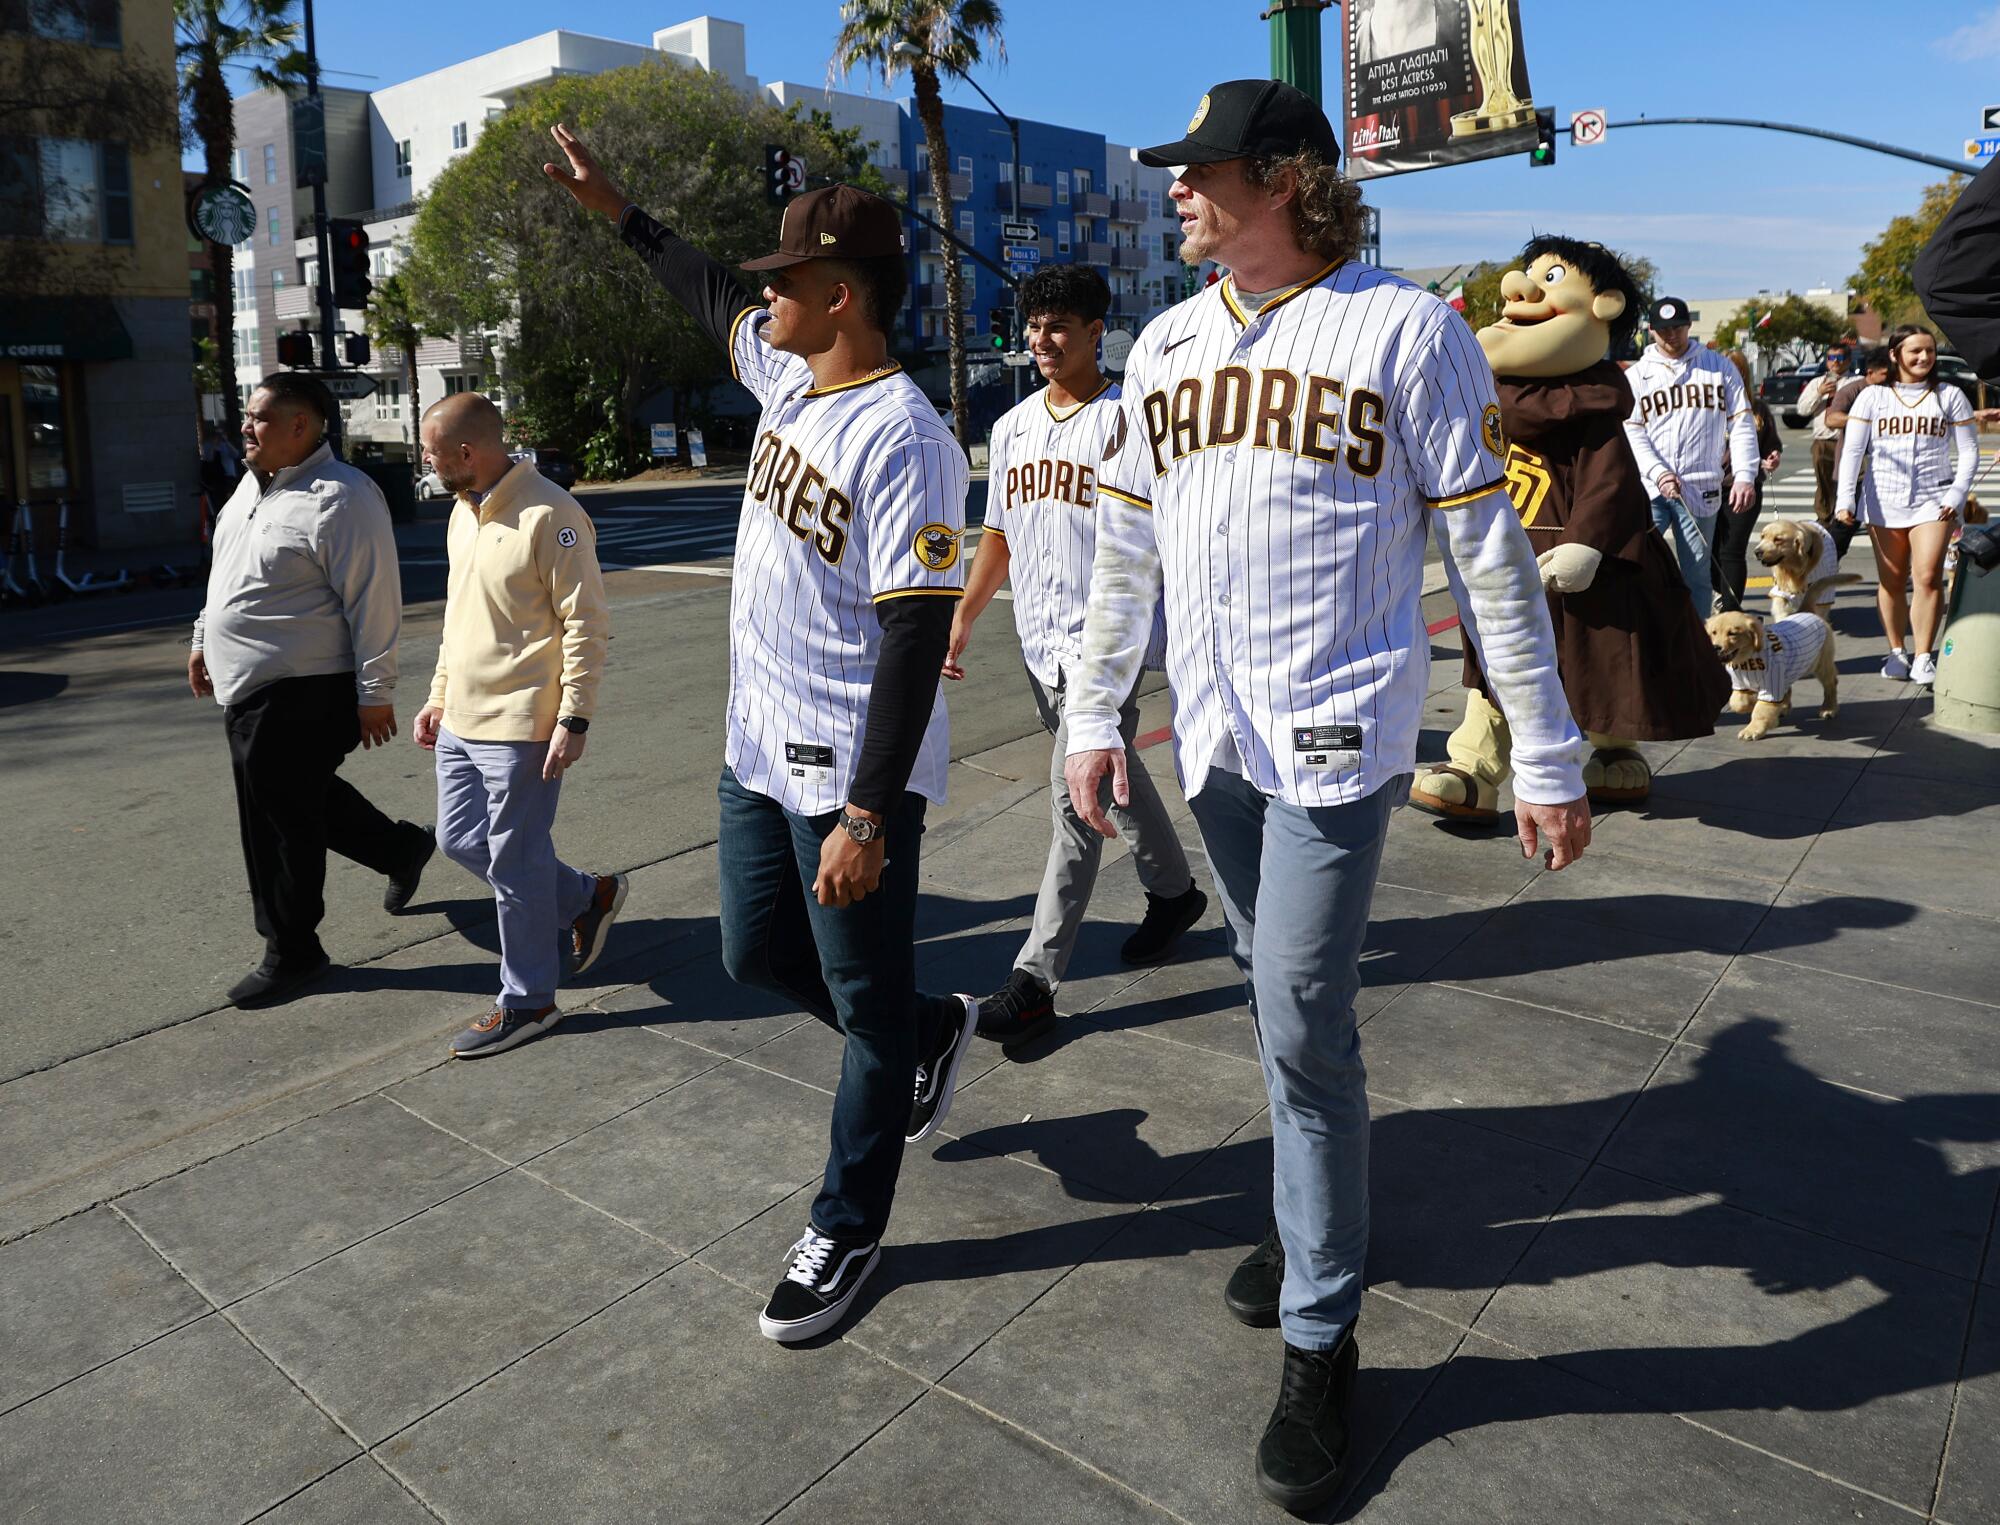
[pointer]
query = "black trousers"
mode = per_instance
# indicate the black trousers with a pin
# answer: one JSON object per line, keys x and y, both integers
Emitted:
{"x": 1729, "y": 569}
{"x": 286, "y": 743}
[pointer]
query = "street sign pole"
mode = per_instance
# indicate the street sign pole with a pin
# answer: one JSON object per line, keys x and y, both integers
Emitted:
{"x": 329, "y": 357}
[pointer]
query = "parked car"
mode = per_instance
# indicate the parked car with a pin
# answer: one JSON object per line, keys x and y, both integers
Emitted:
{"x": 553, "y": 464}
{"x": 1780, "y": 391}
{"x": 428, "y": 485}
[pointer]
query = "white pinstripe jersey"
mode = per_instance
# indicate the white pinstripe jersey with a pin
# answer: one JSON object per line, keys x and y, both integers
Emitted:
{"x": 856, "y": 495}
{"x": 1689, "y": 416}
{"x": 1916, "y": 452}
{"x": 1286, "y": 461}
{"x": 1041, "y": 498}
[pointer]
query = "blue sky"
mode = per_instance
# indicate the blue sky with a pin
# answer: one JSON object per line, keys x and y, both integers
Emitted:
{"x": 1722, "y": 212}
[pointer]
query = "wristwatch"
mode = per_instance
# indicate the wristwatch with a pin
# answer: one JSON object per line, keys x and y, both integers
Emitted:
{"x": 576, "y": 725}
{"x": 863, "y": 831}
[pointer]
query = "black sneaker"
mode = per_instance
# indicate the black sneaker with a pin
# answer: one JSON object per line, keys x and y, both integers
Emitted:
{"x": 937, "y": 1075}
{"x": 403, "y": 883}
{"x": 1018, "y": 1012}
{"x": 1301, "y": 1459}
{"x": 824, "y": 1276}
{"x": 1165, "y": 920}
{"x": 274, "y": 981}
{"x": 1252, "y": 1293}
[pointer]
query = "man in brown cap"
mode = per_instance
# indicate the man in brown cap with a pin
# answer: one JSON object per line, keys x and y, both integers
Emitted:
{"x": 1292, "y": 435}
{"x": 847, "y": 572}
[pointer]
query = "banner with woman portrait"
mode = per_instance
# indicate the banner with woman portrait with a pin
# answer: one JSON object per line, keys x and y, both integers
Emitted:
{"x": 1433, "y": 82}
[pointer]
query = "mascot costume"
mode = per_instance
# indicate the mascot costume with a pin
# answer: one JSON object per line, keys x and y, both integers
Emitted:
{"x": 1634, "y": 659}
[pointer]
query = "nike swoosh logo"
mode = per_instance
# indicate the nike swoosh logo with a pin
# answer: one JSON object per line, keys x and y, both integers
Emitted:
{"x": 1168, "y": 349}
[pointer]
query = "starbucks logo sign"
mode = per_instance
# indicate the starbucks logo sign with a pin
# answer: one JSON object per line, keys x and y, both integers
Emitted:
{"x": 222, "y": 213}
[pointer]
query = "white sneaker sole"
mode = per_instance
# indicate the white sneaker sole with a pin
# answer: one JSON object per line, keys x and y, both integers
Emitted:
{"x": 522, "y": 1034}
{"x": 826, "y": 1318}
{"x": 624, "y": 883}
{"x": 965, "y": 1033}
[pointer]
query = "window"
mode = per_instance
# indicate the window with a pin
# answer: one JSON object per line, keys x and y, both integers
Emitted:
{"x": 403, "y": 159}
{"x": 965, "y": 165}
{"x": 66, "y": 190}
{"x": 458, "y": 134}
{"x": 453, "y": 385}
{"x": 923, "y": 159}
{"x": 1083, "y": 182}
{"x": 388, "y": 401}
{"x": 277, "y": 281}
{"x": 1006, "y": 171}
{"x": 48, "y": 438}
{"x": 1062, "y": 187}
{"x": 239, "y": 164}
{"x": 1062, "y": 238}
{"x": 271, "y": 223}
{"x": 966, "y": 224}
{"x": 91, "y": 21}
{"x": 270, "y": 164}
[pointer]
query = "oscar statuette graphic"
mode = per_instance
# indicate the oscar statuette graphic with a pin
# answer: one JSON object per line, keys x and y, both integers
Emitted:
{"x": 1492, "y": 47}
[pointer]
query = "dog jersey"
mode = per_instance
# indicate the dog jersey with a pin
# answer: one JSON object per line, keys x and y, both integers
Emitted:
{"x": 1791, "y": 647}
{"x": 1041, "y": 498}
{"x": 1922, "y": 446}
{"x": 1281, "y": 469}
{"x": 1687, "y": 416}
{"x": 856, "y": 495}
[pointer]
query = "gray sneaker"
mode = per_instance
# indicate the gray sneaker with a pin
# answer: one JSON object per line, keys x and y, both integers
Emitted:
{"x": 501, "y": 1029}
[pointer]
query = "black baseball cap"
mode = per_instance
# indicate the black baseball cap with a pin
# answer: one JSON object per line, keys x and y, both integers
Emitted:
{"x": 1669, "y": 312}
{"x": 1249, "y": 119}
{"x": 835, "y": 222}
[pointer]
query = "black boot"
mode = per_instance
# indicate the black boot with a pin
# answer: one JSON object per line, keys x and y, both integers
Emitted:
{"x": 403, "y": 883}
{"x": 1303, "y": 1456}
{"x": 1252, "y": 1293}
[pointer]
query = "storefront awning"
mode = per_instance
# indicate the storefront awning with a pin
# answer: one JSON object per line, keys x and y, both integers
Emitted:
{"x": 63, "y": 328}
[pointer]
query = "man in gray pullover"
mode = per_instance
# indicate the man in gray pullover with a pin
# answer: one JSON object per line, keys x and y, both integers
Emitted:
{"x": 297, "y": 643}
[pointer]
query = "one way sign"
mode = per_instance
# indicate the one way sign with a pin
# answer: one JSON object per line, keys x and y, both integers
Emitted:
{"x": 1989, "y": 119}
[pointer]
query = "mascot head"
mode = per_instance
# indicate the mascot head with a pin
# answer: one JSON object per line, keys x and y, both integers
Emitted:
{"x": 1565, "y": 308}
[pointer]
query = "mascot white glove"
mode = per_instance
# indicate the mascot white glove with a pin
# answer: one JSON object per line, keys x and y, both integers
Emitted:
{"x": 1569, "y": 568}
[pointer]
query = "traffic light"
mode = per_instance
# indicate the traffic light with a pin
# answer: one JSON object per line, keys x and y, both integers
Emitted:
{"x": 356, "y": 346}
{"x": 296, "y": 349}
{"x": 778, "y": 179}
{"x": 1543, "y": 153}
{"x": 998, "y": 319}
{"x": 347, "y": 250}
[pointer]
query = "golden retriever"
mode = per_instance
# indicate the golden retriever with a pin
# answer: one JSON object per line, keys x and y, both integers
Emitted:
{"x": 1758, "y": 658}
{"x": 1802, "y": 561}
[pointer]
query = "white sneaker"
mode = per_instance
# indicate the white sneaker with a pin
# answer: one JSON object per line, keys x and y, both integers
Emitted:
{"x": 1923, "y": 672}
{"x": 1897, "y": 667}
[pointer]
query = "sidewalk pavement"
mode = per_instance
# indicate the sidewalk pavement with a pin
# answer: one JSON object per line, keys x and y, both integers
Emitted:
{"x": 1686, "y": 1163}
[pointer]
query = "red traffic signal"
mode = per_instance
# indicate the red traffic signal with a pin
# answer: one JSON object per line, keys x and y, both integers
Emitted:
{"x": 296, "y": 350}
{"x": 347, "y": 253}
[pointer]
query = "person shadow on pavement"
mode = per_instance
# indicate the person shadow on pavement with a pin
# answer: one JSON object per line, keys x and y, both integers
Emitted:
{"x": 1820, "y": 1196}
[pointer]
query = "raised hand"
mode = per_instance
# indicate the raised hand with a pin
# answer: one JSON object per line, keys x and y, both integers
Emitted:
{"x": 584, "y": 177}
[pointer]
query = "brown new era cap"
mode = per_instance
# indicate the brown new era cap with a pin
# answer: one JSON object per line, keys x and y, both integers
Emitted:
{"x": 836, "y": 222}
{"x": 1250, "y": 119}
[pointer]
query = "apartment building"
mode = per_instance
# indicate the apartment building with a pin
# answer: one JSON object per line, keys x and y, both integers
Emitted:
{"x": 97, "y": 404}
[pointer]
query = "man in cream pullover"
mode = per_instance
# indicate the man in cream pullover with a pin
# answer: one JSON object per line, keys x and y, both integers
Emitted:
{"x": 525, "y": 632}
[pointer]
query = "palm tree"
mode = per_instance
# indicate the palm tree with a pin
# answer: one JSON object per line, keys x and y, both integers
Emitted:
{"x": 393, "y": 323}
{"x": 211, "y": 37}
{"x": 923, "y": 37}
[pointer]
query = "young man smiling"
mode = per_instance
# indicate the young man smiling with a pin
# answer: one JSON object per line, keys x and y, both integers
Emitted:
{"x": 847, "y": 570}
{"x": 1041, "y": 507}
{"x": 1291, "y": 434}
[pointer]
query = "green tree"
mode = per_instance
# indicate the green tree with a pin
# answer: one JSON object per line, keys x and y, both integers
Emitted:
{"x": 1883, "y": 282}
{"x": 1797, "y": 330}
{"x": 260, "y": 40}
{"x": 394, "y": 323}
{"x": 923, "y": 38}
{"x": 588, "y": 332}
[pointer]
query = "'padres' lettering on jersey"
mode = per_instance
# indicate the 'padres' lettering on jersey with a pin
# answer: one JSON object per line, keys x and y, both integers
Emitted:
{"x": 1288, "y": 460}
{"x": 1042, "y": 499}
{"x": 856, "y": 494}
{"x": 1922, "y": 445}
{"x": 1690, "y": 417}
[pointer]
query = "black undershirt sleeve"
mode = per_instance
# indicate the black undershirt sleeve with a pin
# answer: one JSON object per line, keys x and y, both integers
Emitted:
{"x": 704, "y": 286}
{"x": 915, "y": 635}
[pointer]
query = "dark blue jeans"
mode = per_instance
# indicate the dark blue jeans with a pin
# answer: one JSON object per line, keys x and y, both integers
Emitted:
{"x": 853, "y": 967}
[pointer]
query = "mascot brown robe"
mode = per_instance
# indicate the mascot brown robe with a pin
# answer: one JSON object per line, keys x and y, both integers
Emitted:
{"x": 1634, "y": 659}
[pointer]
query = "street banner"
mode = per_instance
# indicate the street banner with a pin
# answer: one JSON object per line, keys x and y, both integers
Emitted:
{"x": 1433, "y": 82}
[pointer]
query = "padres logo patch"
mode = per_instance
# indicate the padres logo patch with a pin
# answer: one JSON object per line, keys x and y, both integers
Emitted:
{"x": 565, "y": 536}
{"x": 1200, "y": 115}
{"x": 936, "y": 546}
{"x": 1491, "y": 432}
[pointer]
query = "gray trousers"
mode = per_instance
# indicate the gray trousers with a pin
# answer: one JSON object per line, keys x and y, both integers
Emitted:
{"x": 1076, "y": 850}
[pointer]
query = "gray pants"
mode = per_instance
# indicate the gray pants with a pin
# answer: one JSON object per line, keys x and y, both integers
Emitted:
{"x": 1076, "y": 850}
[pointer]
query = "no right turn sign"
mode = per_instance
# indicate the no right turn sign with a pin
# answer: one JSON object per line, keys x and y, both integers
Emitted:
{"x": 1588, "y": 128}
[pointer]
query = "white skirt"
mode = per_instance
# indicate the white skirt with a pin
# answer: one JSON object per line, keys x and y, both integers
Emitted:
{"x": 1899, "y": 518}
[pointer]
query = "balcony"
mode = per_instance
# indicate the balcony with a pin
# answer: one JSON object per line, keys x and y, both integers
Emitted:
{"x": 920, "y": 184}
{"x": 1127, "y": 257}
{"x": 452, "y": 354}
{"x": 1093, "y": 204}
{"x": 931, "y": 296}
{"x": 1033, "y": 196}
{"x": 1124, "y": 209}
{"x": 1095, "y": 253}
{"x": 295, "y": 302}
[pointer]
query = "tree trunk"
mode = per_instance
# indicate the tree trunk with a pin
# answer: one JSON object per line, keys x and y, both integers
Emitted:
{"x": 416, "y": 405}
{"x": 215, "y": 125}
{"x": 930, "y": 108}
